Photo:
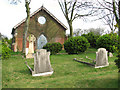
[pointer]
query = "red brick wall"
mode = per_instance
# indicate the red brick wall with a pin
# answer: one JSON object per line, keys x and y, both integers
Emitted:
{"x": 53, "y": 31}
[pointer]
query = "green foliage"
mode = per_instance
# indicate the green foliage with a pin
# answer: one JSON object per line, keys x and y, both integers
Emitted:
{"x": 6, "y": 45}
{"x": 91, "y": 37}
{"x": 117, "y": 62}
{"x": 7, "y": 42}
{"x": 5, "y": 52}
{"x": 114, "y": 37}
{"x": 53, "y": 47}
{"x": 106, "y": 41}
{"x": 75, "y": 45}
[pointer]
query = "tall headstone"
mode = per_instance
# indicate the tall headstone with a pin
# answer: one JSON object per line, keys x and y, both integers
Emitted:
{"x": 42, "y": 66}
{"x": 101, "y": 58}
{"x": 42, "y": 40}
{"x": 31, "y": 40}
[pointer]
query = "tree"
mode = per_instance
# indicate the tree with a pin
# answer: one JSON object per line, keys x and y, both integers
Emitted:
{"x": 114, "y": 8}
{"x": 74, "y": 9}
{"x": 27, "y": 3}
{"x": 96, "y": 31}
{"x": 78, "y": 32}
{"x": 116, "y": 11}
{"x": 106, "y": 13}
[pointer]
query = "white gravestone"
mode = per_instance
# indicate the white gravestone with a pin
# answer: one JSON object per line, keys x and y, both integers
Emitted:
{"x": 101, "y": 58}
{"x": 31, "y": 40}
{"x": 42, "y": 66}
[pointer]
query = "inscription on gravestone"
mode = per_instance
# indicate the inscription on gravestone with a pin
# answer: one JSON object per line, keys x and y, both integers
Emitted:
{"x": 42, "y": 40}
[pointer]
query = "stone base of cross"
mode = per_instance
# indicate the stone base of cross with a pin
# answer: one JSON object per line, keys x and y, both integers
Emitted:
{"x": 30, "y": 55}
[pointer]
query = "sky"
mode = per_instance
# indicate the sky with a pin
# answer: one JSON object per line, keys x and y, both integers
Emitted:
{"x": 13, "y": 14}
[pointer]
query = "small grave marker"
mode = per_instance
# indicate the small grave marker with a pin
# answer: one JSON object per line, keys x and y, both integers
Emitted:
{"x": 101, "y": 58}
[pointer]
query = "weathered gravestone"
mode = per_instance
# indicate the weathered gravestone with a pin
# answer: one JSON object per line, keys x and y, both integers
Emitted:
{"x": 101, "y": 58}
{"x": 110, "y": 54}
{"x": 42, "y": 40}
{"x": 42, "y": 66}
{"x": 31, "y": 40}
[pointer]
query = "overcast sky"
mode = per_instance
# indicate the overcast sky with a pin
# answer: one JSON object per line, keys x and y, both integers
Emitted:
{"x": 13, "y": 14}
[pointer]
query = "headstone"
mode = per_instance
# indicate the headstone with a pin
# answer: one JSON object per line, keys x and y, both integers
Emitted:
{"x": 110, "y": 54}
{"x": 31, "y": 40}
{"x": 42, "y": 66}
{"x": 42, "y": 40}
{"x": 101, "y": 58}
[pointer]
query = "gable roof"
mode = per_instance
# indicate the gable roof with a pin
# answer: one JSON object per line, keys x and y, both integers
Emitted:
{"x": 41, "y": 8}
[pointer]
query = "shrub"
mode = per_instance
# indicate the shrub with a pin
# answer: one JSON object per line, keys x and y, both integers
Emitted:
{"x": 91, "y": 37}
{"x": 107, "y": 42}
{"x": 5, "y": 52}
{"x": 53, "y": 47}
{"x": 114, "y": 37}
{"x": 76, "y": 45}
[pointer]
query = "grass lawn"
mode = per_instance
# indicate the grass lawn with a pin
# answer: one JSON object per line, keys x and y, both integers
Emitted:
{"x": 0, "y": 74}
{"x": 67, "y": 73}
{"x": 0, "y": 65}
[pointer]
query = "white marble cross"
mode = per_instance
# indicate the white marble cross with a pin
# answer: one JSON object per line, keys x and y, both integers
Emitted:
{"x": 31, "y": 38}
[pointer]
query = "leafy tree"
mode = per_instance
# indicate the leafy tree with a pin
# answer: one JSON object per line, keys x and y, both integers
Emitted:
{"x": 5, "y": 45}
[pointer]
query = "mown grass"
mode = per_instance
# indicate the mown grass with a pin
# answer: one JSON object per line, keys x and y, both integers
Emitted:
{"x": 67, "y": 73}
{"x": 0, "y": 65}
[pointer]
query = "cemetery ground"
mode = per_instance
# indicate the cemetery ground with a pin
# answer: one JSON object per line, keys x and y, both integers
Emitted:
{"x": 67, "y": 73}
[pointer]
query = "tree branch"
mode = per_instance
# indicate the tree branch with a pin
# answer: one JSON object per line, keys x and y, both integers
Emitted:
{"x": 73, "y": 8}
{"x": 114, "y": 11}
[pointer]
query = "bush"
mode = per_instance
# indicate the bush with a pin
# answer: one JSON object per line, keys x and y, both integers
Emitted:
{"x": 53, "y": 47}
{"x": 107, "y": 42}
{"x": 114, "y": 37}
{"x": 5, "y": 52}
{"x": 76, "y": 45}
{"x": 91, "y": 37}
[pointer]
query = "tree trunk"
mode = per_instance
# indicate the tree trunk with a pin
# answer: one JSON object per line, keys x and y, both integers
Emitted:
{"x": 119, "y": 35}
{"x": 26, "y": 26}
{"x": 71, "y": 29}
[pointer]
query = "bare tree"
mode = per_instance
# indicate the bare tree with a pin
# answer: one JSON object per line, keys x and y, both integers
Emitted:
{"x": 109, "y": 20}
{"x": 74, "y": 9}
{"x": 116, "y": 11}
{"x": 96, "y": 31}
{"x": 105, "y": 13}
{"x": 113, "y": 7}
{"x": 27, "y": 2}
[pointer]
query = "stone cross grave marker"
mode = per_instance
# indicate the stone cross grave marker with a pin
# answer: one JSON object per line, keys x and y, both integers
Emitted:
{"x": 101, "y": 58}
{"x": 42, "y": 40}
{"x": 42, "y": 66}
{"x": 31, "y": 40}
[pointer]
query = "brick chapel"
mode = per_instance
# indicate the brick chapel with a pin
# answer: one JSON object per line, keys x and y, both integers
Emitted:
{"x": 42, "y": 23}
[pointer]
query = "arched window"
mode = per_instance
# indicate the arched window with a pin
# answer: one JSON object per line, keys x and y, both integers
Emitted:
{"x": 42, "y": 40}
